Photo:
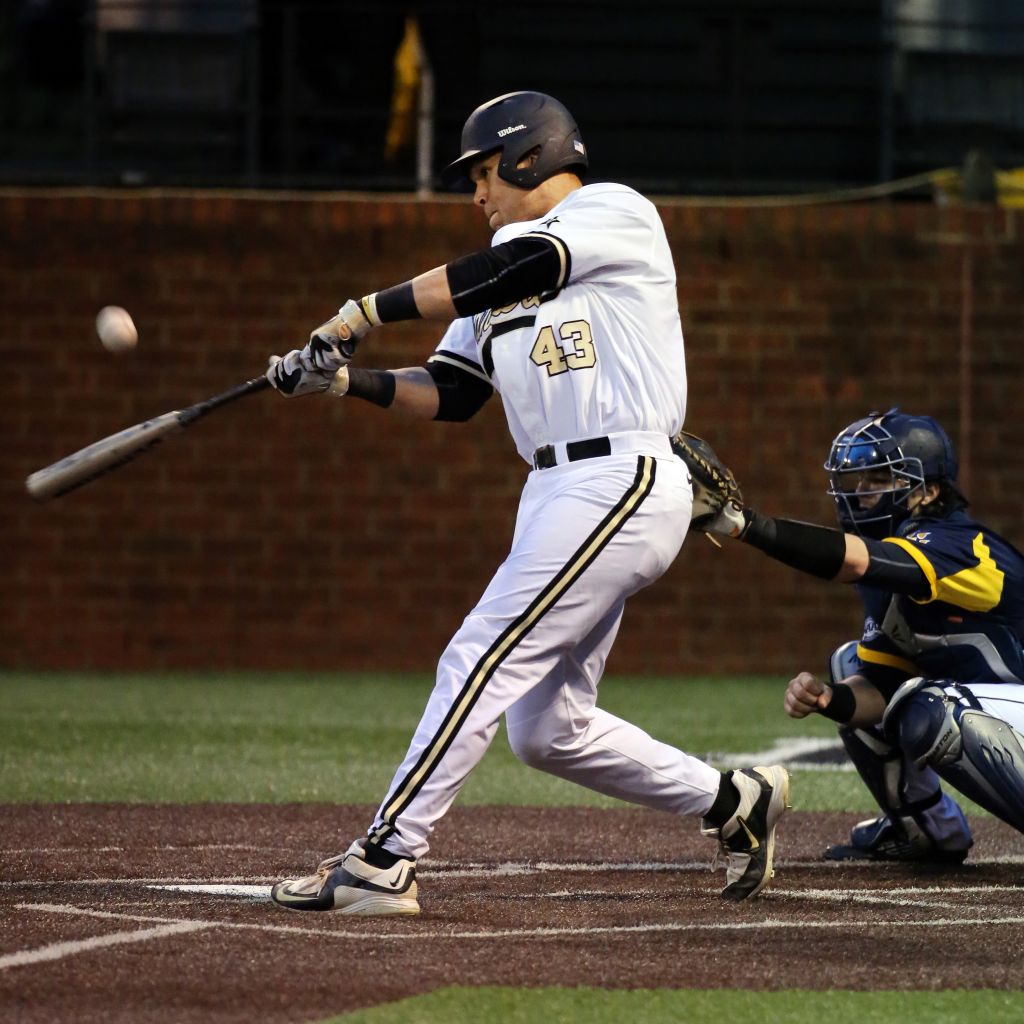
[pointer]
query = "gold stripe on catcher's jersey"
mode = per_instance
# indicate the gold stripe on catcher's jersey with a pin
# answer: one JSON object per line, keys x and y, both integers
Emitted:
{"x": 513, "y": 634}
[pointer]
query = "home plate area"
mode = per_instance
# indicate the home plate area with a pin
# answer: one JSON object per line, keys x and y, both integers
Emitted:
{"x": 117, "y": 912}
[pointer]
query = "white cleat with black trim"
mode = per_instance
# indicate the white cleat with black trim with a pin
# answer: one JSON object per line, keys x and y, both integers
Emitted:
{"x": 747, "y": 839}
{"x": 349, "y": 884}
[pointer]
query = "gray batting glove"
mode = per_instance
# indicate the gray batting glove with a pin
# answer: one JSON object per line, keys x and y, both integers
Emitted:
{"x": 291, "y": 378}
{"x": 332, "y": 345}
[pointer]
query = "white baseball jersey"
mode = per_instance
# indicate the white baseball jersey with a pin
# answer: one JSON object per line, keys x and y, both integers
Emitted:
{"x": 603, "y": 354}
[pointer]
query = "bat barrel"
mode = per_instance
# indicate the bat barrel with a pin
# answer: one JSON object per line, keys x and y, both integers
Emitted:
{"x": 95, "y": 459}
{"x": 109, "y": 453}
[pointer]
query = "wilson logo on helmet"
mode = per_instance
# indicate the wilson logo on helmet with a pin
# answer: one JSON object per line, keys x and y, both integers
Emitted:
{"x": 509, "y": 131}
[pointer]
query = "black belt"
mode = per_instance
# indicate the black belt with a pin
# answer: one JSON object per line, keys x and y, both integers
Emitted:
{"x": 592, "y": 448}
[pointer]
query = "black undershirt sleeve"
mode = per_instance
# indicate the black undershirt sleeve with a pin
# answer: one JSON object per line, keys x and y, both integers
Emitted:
{"x": 509, "y": 272}
{"x": 893, "y": 568}
{"x": 821, "y": 551}
{"x": 461, "y": 394}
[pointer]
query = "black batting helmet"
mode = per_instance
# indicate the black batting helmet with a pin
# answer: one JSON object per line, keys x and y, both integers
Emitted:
{"x": 516, "y": 123}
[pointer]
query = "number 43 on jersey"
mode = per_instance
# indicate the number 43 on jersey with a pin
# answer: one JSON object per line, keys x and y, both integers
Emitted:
{"x": 576, "y": 351}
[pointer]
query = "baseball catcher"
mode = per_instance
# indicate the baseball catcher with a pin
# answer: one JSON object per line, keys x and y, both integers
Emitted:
{"x": 934, "y": 689}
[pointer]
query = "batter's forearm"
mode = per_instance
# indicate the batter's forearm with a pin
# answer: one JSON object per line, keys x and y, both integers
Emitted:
{"x": 433, "y": 295}
{"x": 427, "y": 297}
{"x": 411, "y": 390}
{"x": 416, "y": 392}
{"x": 532, "y": 264}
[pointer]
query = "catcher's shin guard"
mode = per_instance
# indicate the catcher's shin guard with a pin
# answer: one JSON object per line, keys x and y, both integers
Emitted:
{"x": 920, "y": 822}
{"x": 982, "y": 756}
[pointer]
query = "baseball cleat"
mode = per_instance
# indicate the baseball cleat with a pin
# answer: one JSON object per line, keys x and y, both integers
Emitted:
{"x": 747, "y": 839}
{"x": 879, "y": 839}
{"x": 349, "y": 884}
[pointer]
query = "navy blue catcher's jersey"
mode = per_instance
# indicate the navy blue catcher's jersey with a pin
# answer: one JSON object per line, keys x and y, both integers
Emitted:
{"x": 968, "y": 629}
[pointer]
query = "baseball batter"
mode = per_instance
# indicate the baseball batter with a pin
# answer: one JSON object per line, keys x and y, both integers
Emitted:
{"x": 571, "y": 316}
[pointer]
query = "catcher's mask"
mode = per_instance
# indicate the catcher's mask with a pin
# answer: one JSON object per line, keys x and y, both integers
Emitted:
{"x": 516, "y": 124}
{"x": 877, "y": 463}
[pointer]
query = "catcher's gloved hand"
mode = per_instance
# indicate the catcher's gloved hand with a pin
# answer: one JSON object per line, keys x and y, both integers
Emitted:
{"x": 333, "y": 343}
{"x": 730, "y": 522}
{"x": 291, "y": 378}
{"x": 717, "y": 499}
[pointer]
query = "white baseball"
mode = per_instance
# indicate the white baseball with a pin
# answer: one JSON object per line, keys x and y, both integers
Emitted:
{"x": 116, "y": 330}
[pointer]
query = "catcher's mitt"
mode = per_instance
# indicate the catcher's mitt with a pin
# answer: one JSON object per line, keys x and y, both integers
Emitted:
{"x": 714, "y": 485}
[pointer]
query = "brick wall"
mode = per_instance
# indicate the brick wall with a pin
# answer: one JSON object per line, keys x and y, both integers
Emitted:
{"x": 320, "y": 534}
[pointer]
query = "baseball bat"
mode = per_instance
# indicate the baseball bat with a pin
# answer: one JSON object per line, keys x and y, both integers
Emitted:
{"x": 107, "y": 454}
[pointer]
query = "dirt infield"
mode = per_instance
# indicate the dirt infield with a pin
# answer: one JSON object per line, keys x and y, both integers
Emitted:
{"x": 510, "y": 896}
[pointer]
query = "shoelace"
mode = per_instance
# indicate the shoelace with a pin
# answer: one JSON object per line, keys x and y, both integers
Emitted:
{"x": 722, "y": 853}
{"x": 331, "y": 862}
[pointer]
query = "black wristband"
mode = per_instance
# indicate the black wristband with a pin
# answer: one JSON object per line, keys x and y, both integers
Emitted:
{"x": 818, "y": 550}
{"x": 843, "y": 704}
{"x": 395, "y": 303}
{"x": 376, "y": 386}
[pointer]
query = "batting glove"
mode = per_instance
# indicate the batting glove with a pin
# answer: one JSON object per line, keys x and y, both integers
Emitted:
{"x": 332, "y": 345}
{"x": 290, "y": 377}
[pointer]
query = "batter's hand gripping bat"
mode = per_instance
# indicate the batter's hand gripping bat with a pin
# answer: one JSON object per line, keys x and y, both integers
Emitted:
{"x": 117, "y": 449}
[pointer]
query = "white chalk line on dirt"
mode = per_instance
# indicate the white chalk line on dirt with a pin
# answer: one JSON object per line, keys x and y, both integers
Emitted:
{"x": 250, "y": 892}
{"x": 433, "y": 934}
{"x": 11, "y": 850}
{"x": 902, "y": 896}
{"x": 59, "y": 950}
{"x": 455, "y": 869}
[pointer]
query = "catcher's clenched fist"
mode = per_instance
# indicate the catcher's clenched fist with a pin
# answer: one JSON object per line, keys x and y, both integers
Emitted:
{"x": 805, "y": 695}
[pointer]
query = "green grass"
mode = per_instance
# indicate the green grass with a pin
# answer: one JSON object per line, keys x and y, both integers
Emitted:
{"x": 260, "y": 737}
{"x": 280, "y": 737}
{"x": 458, "y": 1005}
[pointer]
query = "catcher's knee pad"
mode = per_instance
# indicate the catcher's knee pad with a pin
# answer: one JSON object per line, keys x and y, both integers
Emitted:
{"x": 982, "y": 756}
{"x": 920, "y": 718}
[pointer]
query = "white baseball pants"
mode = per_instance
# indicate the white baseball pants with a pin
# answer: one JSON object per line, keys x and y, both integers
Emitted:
{"x": 588, "y": 535}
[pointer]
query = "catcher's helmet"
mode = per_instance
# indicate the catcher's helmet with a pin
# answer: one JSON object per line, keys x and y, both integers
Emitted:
{"x": 515, "y": 124}
{"x": 914, "y": 450}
